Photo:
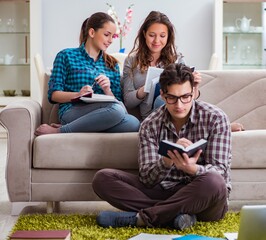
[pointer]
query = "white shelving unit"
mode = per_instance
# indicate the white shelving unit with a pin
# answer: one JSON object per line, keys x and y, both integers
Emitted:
{"x": 240, "y": 48}
{"x": 20, "y": 40}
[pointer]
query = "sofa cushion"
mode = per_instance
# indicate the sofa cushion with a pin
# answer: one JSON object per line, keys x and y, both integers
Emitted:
{"x": 115, "y": 150}
{"x": 86, "y": 151}
{"x": 244, "y": 154}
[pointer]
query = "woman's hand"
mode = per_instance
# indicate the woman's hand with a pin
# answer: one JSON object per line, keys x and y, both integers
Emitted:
{"x": 105, "y": 84}
{"x": 197, "y": 81}
{"x": 63, "y": 97}
{"x": 140, "y": 93}
{"x": 85, "y": 89}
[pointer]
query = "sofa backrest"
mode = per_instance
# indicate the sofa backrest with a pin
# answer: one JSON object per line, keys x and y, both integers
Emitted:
{"x": 49, "y": 111}
{"x": 240, "y": 93}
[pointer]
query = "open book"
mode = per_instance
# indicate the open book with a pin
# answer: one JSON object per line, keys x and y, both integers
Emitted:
{"x": 152, "y": 84}
{"x": 190, "y": 150}
{"x": 77, "y": 99}
{"x": 99, "y": 98}
{"x": 93, "y": 97}
{"x": 196, "y": 237}
{"x": 149, "y": 236}
{"x": 153, "y": 75}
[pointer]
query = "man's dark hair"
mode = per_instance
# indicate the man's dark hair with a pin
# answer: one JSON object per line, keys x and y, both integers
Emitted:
{"x": 176, "y": 73}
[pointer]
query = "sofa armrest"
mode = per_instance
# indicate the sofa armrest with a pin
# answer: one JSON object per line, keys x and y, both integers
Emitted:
{"x": 248, "y": 149}
{"x": 20, "y": 119}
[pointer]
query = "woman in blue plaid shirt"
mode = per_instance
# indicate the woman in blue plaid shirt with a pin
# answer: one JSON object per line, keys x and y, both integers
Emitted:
{"x": 88, "y": 68}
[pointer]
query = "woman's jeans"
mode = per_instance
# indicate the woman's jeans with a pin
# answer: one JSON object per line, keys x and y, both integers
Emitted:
{"x": 98, "y": 117}
{"x": 158, "y": 102}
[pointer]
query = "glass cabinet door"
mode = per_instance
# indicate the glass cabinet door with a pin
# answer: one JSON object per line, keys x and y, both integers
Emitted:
{"x": 14, "y": 50}
{"x": 243, "y": 35}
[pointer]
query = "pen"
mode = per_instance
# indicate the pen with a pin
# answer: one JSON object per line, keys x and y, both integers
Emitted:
{"x": 94, "y": 84}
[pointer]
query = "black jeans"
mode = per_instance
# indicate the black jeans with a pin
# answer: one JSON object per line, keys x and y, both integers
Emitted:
{"x": 206, "y": 197}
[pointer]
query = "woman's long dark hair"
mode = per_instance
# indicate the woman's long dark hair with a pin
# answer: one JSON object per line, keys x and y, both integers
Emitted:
{"x": 140, "y": 48}
{"x": 96, "y": 21}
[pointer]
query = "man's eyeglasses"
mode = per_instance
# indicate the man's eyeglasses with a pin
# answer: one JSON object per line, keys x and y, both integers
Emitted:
{"x": 171, "y": 99}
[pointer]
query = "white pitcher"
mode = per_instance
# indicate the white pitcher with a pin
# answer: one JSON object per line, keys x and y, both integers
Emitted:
{"x": 244, "y": 24}
{"x": 8, "y": 59}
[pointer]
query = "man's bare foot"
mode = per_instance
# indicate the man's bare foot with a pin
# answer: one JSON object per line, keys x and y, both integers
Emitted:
{"x": 236, "y": 127}
{"x": 46, "y": 129}
{"x": 56, "y": 125}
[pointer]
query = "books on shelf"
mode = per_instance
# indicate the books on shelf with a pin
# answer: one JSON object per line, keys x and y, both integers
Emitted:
{"x": 93, "y": 97}
{"x": 190, "y": 150}
{"x": 41, "y": 235}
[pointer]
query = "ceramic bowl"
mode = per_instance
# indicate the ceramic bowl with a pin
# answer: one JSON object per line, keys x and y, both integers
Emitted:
{"x": 25, "y": 92}
{"x": 10, "y": 93}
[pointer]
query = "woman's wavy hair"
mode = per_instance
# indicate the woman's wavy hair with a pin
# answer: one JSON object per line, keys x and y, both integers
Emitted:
{"x": 140, "y": 48}
{"x": 96, "y": 21}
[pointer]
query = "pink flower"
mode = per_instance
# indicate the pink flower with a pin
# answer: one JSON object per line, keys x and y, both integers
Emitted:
{"x": 122, "y": 29}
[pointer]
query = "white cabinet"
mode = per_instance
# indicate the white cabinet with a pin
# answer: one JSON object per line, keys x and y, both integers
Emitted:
{"x": 240, "y": 34}
{"x": 19, "y": 28}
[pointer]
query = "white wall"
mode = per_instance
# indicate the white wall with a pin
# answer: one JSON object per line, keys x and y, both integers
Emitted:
{"x": 193, "y": 20}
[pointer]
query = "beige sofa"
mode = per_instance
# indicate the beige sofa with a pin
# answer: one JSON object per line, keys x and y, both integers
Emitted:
{"x": 60, "y": 167}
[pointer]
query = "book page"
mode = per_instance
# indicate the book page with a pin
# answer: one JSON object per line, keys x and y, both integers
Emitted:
{"x": 102, "y": 96}
{"x": 99, "y": 98}
{"x": 148, "y": 236}
{"x": 174, "y": 144}
{"x": 195, "y": 145}
{"x": 153, "y": 72}
{"x": 231, "y": 236}
{"x": 150, "y": 98}
{"x": 165, "y": 145}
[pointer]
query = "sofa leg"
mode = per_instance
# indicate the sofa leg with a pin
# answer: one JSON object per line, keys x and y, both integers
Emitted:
{"x": 50, "y": 207}
{"x": 57, "y": 207}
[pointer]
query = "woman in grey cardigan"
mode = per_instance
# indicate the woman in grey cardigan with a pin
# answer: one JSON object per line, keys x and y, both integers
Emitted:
{"x": 153, "y": 46}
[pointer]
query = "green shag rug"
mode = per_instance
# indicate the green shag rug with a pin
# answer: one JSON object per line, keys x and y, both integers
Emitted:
{"x": 84, "y": 227}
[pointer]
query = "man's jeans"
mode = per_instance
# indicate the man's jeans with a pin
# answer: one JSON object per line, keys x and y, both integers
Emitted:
{"x": 206, "y": 197}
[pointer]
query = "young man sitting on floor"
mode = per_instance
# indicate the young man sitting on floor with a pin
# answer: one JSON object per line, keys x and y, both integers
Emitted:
{"x": 176, "y": 190}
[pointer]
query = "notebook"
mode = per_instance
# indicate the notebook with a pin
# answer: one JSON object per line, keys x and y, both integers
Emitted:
{"x": 252, "y": 223}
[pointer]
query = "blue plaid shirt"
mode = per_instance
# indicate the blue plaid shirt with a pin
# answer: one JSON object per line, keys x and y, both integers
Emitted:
{"x": 73, "y": 68}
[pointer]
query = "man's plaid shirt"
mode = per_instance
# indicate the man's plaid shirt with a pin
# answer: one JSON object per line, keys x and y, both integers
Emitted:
{"x": 205, "y": 121}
